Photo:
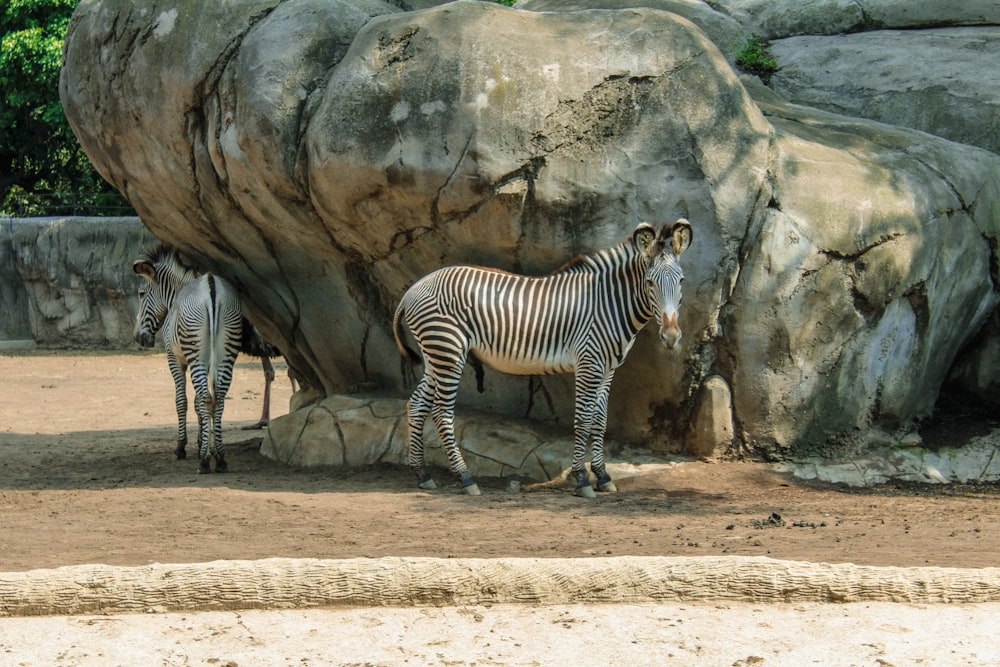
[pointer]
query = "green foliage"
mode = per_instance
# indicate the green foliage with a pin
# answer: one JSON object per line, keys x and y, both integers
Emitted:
{"x": 755, "y": 58}
{"x": 40, "y": 159}
{"x": 505, "y": 3}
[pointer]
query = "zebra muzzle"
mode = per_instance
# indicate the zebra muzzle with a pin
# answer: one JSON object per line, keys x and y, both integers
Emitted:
{"x": 670, "y": 330}
{"x": 145, "y": 339}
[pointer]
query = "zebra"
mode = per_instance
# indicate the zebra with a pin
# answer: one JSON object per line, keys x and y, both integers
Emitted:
{"x": 202, "y": 327}
{"x": 581, "y": 319}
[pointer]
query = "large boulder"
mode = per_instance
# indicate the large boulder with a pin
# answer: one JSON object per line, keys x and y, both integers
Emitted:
{"x": 872, "y": 266}
{"x": 324, "y": 154}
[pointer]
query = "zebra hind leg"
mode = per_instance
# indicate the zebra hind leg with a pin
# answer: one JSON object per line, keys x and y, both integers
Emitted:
{"x": 417, "y": 409}
{"x": 444, "y": 419}
{"x": 220, "y": 455}
{"x": 217, "y": 405}
{"x": 204, "y": 424}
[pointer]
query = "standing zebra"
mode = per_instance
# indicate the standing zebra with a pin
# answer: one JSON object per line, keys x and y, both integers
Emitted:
{"x": 202, "y": 326}
{"x": 583, "y": 319}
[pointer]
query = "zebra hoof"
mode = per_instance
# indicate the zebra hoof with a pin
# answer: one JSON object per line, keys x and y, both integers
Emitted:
{"x": 427, "y": 484}
{"x": 180, "y": 453}
{"x": 586, "y": 491}
{"x": 221, "y": 466}
{"x": 204, "y": 467}
{"x": 472, "y": 490}
{"x": 605, "y": 484}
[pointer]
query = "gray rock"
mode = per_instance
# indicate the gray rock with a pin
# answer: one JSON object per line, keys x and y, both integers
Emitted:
{"x": 975, "y": 372}
{"x": 725, "y": 32}
{"x": 977, "y": 461}
{"x": 464, "y": 133}
{"x": 711, "y": 433}
{"x": 774, "y": 19}
{"x": 942, "y": 81}
{"x": 871, "y": 268}
{"x": 358, "y": 430}
{"x": 838, "y": 267}
{"x": 930, "y": 13}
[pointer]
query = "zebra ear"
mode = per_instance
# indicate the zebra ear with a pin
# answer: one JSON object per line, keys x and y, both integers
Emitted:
{"x": 682, "y": 234}
{"x": 644, "y": 237}
{"x": 143, "y": 268}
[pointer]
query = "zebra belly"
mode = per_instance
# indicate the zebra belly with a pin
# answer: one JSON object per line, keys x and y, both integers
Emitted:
{"x": 519, "y": 366}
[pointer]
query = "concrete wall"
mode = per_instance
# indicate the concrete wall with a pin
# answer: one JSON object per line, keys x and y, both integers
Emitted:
{"x": 68, "y": 282}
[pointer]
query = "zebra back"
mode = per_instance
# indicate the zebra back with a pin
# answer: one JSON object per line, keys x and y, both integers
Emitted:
{"x": 205, "y": 329}
{"x": 594, "y": 305}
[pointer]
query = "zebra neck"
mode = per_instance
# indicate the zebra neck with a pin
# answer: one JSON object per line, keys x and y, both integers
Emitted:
{"x": 623, "y": 284}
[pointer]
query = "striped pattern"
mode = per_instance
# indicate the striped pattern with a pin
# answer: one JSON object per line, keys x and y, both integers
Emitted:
{"x": 202, "y": 327}
{"x": 583, "y": 319}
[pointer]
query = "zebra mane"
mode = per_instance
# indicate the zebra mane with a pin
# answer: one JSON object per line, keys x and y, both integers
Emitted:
{"x": 593, "y": 262}
{"x": 169, "y": 257}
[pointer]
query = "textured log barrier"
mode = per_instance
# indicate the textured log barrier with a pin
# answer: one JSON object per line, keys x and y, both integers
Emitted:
{"x": 301, "y": 583}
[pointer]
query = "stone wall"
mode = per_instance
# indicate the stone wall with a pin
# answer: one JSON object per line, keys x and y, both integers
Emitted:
{"x": 68, "y": 282}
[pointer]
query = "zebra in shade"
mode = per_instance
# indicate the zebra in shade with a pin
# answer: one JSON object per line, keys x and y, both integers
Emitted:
{"x": 201, "y": 322}
{"x": 582, "y": 319}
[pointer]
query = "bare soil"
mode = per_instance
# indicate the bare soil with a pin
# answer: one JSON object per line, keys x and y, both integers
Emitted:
{"x": 88, "y": 475}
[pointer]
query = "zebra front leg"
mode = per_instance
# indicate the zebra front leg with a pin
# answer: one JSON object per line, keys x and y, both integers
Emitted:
{"x": 178, "y": 371}
{"x": 578, "y": 469}
{"x": 588, "y": 382}
{"x": 600, "y": 427}
{"x": 416, "y": 410}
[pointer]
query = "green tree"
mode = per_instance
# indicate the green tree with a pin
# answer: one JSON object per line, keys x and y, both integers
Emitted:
{"x": 43, "y": 170}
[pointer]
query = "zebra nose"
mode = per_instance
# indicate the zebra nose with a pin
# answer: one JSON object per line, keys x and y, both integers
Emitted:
{"x": 145, "y": 339}
{"x": 670, "y": 330}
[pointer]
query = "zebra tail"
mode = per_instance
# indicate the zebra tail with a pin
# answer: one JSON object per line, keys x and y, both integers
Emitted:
{"x": 214, "y": 342}
{"x": 408, "y": 354}
{"x": 477, "y": 365}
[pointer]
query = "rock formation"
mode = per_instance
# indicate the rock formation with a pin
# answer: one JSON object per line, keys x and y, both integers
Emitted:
{"x": 324, "y": 154}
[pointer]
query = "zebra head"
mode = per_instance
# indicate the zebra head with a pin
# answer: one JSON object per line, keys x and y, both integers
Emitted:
{"x": 164, "y": 275}
{"x": 663, "y": 275}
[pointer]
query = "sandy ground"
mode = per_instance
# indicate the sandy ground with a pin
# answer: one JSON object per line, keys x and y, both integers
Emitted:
{"x": 670, "y": 635}
{"x": 87, "y": 475}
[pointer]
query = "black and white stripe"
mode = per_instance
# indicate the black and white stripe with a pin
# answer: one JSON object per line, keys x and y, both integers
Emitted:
{"x": 202, "y": 328}
{"x": 583, "y": 319}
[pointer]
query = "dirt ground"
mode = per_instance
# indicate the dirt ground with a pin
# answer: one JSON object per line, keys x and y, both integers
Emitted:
{"x": 87, "y": 475}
